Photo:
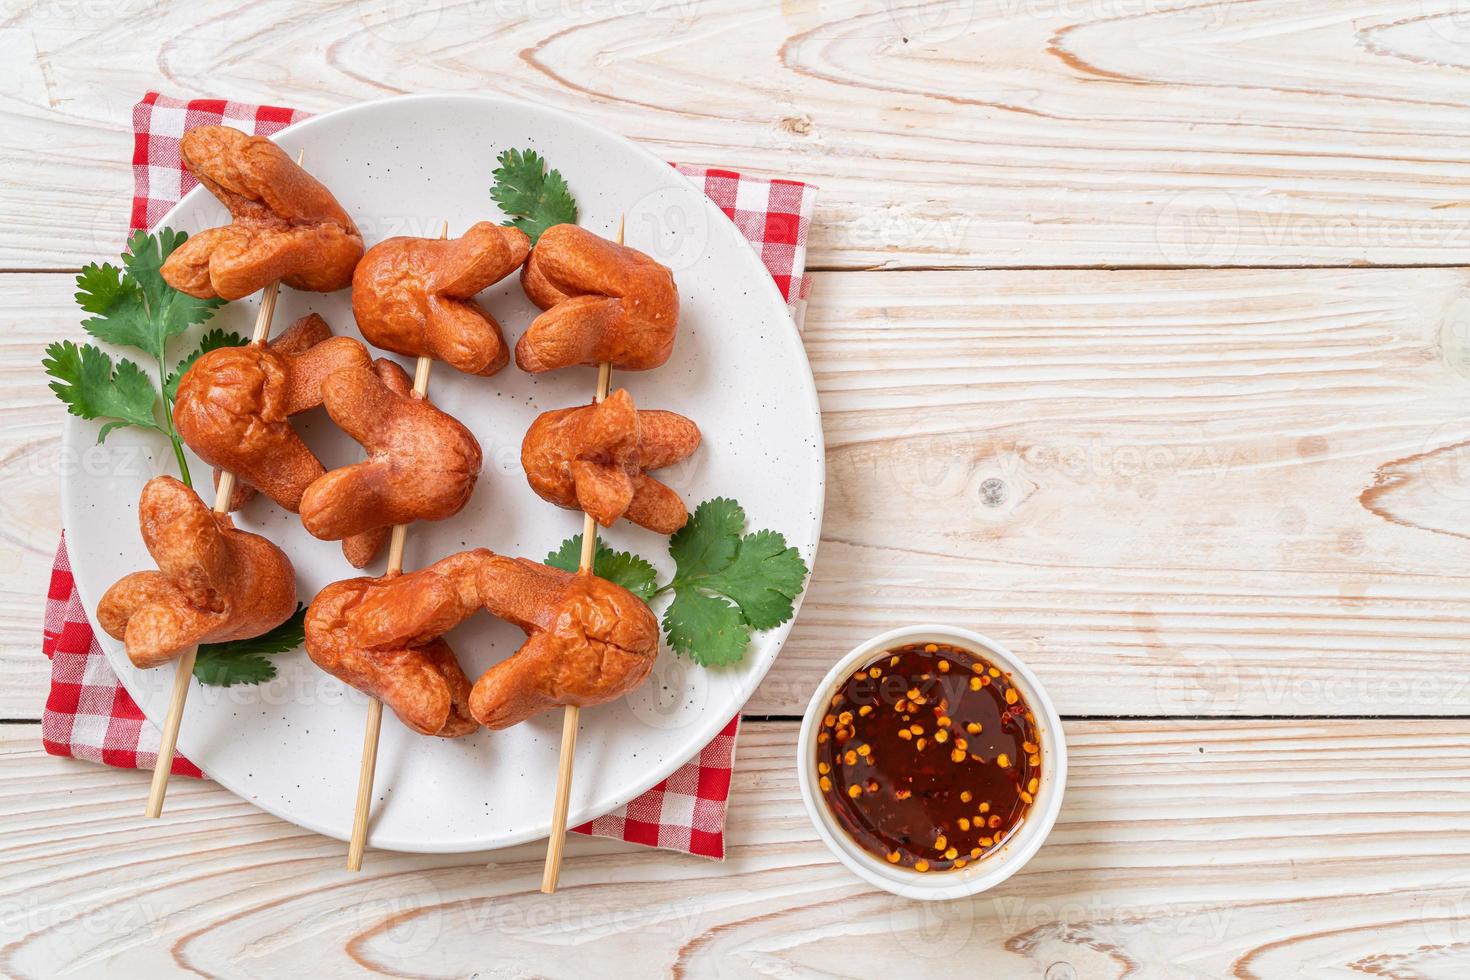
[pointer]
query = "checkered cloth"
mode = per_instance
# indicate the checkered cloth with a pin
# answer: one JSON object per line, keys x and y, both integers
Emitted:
{"x": 88, "y": 713}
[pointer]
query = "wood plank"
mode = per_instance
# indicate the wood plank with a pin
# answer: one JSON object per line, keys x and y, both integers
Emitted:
{"x": 942, "y": 134}
{"x": 1171, "y": 492}
{"x": 1214, "y": 849}
{"x": 38, "y": 309}
{"x": 1237, "y": 492}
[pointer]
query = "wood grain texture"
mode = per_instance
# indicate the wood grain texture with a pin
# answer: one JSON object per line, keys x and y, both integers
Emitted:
{"x": 1171, "y": 492}
{"x": 957, "y": 133}
{"x": 1184, "y": 849}
{"x": 1198, "y": 492}
{"x": 1212, "y": 492}
{"x": 32, "y": 465}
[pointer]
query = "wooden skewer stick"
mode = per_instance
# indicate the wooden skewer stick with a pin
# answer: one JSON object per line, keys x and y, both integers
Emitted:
{"x": 374, "y": 726}
{"x": 163, "y": 765}
{"x": 572, "y": 716}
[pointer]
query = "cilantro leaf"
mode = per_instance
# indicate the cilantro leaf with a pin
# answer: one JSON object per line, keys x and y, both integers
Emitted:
{"x": 727, "y": 583}
{"x": 569, "y": 556}
{"x": 117, "y": 301}
{"x": 755, "y": 578}
{"x": 705, "y": 628}
{"x": 212, "y": 340}
{"x": 627, "y": 570}
{"x": 244, "y": 661}
{"x": 618, "y": 567}
{"x": 227, "y": 670}
{"x": 133, "y": 306}
{"x": 91, "y": 388}
{"x": 707, "y": 543}
{"x": 170, "y": 311}
{"x": 763, "y": 579}
{"x": 534, "y": 197}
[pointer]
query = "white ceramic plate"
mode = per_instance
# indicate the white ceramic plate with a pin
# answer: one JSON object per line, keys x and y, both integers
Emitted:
{"x": 292, "y": 746}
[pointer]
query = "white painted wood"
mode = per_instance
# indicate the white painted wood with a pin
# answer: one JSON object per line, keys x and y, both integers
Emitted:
{"x": 1219, "y": 492}
{"x": 1216, "y": 492}
{"x": 1185, "y": 849}
{"x": 965, "y": 132}
{"x": 1171, "y": 492}
{"x": 35, "y": 312}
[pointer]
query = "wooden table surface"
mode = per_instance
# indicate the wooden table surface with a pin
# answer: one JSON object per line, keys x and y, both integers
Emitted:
{"x": 1142, "y": 334}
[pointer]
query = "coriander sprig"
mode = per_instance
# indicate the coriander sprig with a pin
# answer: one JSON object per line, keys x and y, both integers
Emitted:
{"x": 244, "y": 661}
{"x": 534, "y": 197}
{"x": 726, "y": 583}
{"x": 619, "y": 567}
{"x": 132, "y": 306}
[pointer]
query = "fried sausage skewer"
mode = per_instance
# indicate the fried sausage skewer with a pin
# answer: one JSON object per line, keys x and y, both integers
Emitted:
{"x": 381, "y": 636}
{"x": 602, "y": 302}
{"x": 415, "y": 296}
{"x": 214, "y": 582}
{"x": 637, "y": 335}
{"x": 235, "y": 404}
{"x": 224, "y": 493}
{"x": 422, "y": 462}
{"x": 285, "y": 224}
{"x": 388, "y": 313}
{"x": 596, "y": 459}
{"x": 588, "y": 641}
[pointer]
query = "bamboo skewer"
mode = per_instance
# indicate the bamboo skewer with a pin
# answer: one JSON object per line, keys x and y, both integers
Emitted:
{"x": 556, "y": 843}
{"x": 374, "y": 726}
{"x": 168, "y": 742}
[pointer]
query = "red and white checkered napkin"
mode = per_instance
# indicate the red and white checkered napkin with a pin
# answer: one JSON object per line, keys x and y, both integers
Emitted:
{"x": 88, "y": 713}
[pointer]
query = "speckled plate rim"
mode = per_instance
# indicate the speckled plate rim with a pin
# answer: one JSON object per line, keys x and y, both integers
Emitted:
{"x": 755, "y": 272}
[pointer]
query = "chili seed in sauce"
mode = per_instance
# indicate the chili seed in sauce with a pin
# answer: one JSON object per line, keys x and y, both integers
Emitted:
{"x": 932, "y": 757}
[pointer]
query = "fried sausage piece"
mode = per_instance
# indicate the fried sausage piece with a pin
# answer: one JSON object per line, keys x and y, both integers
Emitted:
{"x": 214, "y": 582}
{"x": 422, "y": 463}
{"x": 234, "y": 404}
{"x": 415, "y": 296}
{"x": 381, "y": 636}
{"x": 596, "y": 459}
{"x": 285, "y": 224}
{"x": 588, "y": 642}
{"x": 602, "y": 302}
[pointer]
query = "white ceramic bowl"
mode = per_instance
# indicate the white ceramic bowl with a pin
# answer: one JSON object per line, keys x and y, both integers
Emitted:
{"x": 996, "y": 866}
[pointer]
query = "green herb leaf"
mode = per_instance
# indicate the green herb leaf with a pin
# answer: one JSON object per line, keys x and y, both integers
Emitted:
{"x": 170, "y": 312}
{"x": 763, "y": 580}
{"x": 244, "y": 661}
{"x": 707, "y": 543}
{"x": 133, "y": 306}
{"x": 618, "y": 567}
{"x": 212, "y": 340}
{"x": 755, "y": 578}
{"x": 91, "y": 388}
{"x": 727, "y": 583}
{"x": 705, "y": 628}
{"x": 534, "y": 197}
{"x": 227, "y": 671}
{"x": 121, "y": 316}
{"x": 627, "y": 570}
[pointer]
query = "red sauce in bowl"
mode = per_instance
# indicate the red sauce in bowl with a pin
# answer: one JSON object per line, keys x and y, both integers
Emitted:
{"x": 928, "y": 757}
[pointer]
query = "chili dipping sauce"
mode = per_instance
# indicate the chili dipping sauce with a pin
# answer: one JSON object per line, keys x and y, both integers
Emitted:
{"x": 928, "y": 757}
